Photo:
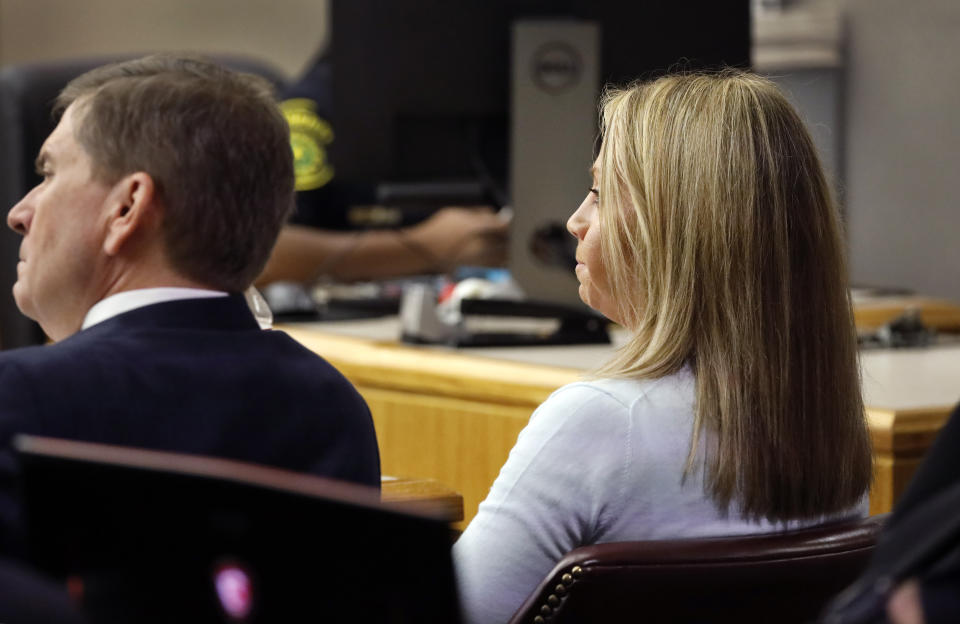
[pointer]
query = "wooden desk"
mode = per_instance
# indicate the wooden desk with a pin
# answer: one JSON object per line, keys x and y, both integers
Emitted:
{"x": 439, "y": 414}
{"x": 871, "y": 312}
{"x": 454, "y": 415}
{"x": 427, "y": 495}
{"x": 909, "y": 394}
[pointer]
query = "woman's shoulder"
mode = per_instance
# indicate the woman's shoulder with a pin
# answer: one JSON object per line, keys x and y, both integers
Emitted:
{"x": 616, "y": 406}
{"x": 628, "y": 392}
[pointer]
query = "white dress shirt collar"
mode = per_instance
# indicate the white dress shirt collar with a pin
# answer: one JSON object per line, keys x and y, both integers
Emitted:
{"x": 133, "y": 299}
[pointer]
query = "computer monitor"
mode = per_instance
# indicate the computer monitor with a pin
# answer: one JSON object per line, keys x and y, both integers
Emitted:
{"x": 427, "y": 91}
{"x": 149, "y": 536}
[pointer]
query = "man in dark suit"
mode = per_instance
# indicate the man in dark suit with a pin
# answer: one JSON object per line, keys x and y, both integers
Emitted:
{"x": 164, "y": 187}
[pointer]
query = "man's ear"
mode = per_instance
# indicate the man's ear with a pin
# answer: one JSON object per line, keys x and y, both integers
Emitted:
{"x": 132, "y": 207}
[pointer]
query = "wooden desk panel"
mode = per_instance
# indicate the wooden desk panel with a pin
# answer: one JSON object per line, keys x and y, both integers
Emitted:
{"x": 433, "y": 372}
{"x": 423, "y": 495}
{"x": 439, "y": 414}
{"x": 909, "y": 394}
{"x": 454, "y": 416}
{"x": 900, "y": 440}
{"x": 870, "y": 313}
{"x": 459, "y": 442}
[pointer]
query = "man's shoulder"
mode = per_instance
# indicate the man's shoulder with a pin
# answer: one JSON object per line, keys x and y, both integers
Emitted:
{"x": 26, "y": 357}
{"x": 42, "y": 367}
{"x": 317, "y": 372}
{"x": 26, "y": 373}
{"x": 111, "y": 354}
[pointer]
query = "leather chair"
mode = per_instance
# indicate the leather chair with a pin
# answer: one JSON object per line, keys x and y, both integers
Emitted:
{"x": 27, "y": 93}
{"x": 155, "y": 537}
{"x": 28, "y": 597}
{"x": 783, "y": 578}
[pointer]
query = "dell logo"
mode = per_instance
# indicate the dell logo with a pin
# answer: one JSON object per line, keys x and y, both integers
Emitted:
{"x": 556, "y": 67}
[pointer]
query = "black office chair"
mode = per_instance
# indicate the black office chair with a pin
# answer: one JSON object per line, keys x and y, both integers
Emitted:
{"x": 156, "y": 537}
{"x": 27, "y": 93}
{"x": 28, "y": 597}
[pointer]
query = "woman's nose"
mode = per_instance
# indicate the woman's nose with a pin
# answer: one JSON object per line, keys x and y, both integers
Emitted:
{"x": 576, "y": 224}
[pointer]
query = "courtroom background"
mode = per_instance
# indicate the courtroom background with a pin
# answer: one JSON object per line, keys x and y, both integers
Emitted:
{"x": 883, "y": 106}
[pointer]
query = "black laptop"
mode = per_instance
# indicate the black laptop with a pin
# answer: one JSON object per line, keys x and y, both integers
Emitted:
{"x": 148, "y": 536}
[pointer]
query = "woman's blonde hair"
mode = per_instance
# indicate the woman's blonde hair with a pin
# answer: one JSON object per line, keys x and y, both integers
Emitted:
{"x": 723, "y": 240}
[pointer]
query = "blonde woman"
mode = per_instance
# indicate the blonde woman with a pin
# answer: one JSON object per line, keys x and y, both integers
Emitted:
{"x": 710, "y": 234}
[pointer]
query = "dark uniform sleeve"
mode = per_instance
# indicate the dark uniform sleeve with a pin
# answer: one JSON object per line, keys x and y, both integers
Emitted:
{"x": 322, "y": 200}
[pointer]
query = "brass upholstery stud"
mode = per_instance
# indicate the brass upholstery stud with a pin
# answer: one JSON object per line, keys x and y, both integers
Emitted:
{"x": 560, "y": 589}
{"x": 577, "y": 572}
{"x": 553, "y": 601}
{"x": 539, "y": 620}
{"x": 566, "y": 579}
{"x": 546, "y": 611}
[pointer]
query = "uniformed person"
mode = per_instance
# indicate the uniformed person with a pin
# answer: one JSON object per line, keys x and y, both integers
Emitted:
{"x": 339, "y": 232}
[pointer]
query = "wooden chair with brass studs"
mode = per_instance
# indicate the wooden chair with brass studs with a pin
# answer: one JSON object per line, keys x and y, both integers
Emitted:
{"x": 784, "y": 577}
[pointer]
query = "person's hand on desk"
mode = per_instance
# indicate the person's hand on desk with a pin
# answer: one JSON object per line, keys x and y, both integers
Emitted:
{"x": 457, "y": 236}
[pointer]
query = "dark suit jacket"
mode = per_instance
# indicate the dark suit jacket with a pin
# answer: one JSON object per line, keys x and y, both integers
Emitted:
{"x": 938, "y": 474}
{"x": 194, "y": 376}
{"x": 919, "y": 540}
{"x": 940, "y": 470}
{"x": 27, "y": 597}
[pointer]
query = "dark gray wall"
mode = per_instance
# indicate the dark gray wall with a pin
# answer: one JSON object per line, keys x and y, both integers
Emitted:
{"x": 903, "y": 144}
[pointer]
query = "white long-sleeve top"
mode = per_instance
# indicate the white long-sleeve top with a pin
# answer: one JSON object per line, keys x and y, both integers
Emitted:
{"x": 599, "y": 461}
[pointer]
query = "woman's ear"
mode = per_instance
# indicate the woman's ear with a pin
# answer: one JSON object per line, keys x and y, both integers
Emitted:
{"x": 132, "y": 207}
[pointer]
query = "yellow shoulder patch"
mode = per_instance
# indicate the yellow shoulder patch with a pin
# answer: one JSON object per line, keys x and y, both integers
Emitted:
{"x": 309, "y": 137}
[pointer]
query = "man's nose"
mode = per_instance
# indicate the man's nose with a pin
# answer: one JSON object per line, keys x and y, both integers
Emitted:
{"x": 19, "y": 217}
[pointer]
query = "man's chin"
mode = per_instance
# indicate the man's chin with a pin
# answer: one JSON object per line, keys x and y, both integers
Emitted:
{"x": 24, "y": 304}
